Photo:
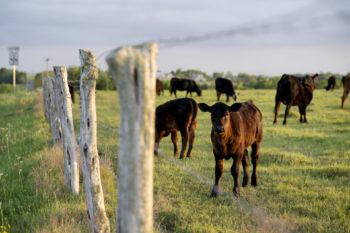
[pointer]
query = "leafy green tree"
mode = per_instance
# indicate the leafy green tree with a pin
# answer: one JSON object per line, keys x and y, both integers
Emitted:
{"x": 6, "y": 76}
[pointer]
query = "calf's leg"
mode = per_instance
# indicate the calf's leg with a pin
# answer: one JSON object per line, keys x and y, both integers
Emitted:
{"x": 219, "y": 167}
{"x": 343, "y": 98}
{"x": 301, "y": 113}
{"x": 191, "y": 139}
{"x": 184, "y": 136}
{"x": 304, "y": 113}
{"x": 174, "y": 140}
{"x": 218, "y": 95}
{"x": 245, "y": 164}
{"x": 235, "y": 170}
{"x": 286, "y": 113}
{"x": 255, "y": 159}
{"x": 277, "y": 106}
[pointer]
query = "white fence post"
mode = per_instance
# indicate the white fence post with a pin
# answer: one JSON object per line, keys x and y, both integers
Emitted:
{"x": 46, "y": 98}
{"x": 88, "y": 144}
{"x": 51, "y": 110}
{"x": 63, "y": 100}
{"x": 134, "y": 70}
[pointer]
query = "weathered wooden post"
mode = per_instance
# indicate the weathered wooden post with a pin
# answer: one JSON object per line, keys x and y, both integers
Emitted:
{"x": 134, "y": 70}
{"x": 88, "y": 144}
{"x": 70, "y": 147}
{"x": 51, "y": 110}
{"x": 46, "y": 98}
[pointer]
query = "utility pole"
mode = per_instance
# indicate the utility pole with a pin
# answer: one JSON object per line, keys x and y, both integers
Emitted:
{"x": 13, "y": 61}
{"x": 47, "y": 60}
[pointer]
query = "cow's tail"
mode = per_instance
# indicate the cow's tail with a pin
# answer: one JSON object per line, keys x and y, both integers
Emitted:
{"x": 194, "y": 114}
{"x": 343, "y": 80}
{"x": 283, "y": 88}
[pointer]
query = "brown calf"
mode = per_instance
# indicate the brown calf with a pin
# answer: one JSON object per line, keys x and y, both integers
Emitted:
{"x": 346, "y": 86}
{"x": 177, "y": 115}
{"x": 234, "y": 129}
{"x": 293, "y": 91}
{"x": 159, "y": 87}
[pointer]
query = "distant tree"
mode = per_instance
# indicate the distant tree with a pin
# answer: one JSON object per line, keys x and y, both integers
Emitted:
{"x": 229, "y": 76}
{"x": 73, "y": 73}
{"x": 105, "y": 81}
{"x": 218, "y": 75}
{"x": 6, "y": 76}
{"x": 39, "y": 76}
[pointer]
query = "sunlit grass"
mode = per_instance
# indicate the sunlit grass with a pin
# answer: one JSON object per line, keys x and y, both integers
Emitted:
{"x": 304, "y": 172}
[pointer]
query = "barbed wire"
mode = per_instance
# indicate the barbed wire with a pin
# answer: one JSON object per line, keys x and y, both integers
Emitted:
{"x": 275, "y": 24}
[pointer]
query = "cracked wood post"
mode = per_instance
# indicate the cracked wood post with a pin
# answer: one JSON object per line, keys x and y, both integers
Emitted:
{"x": 88, "y": 144}
{"x": 51, "y": 110}
{"x": 70, "y": 147}
{"x": 134, "y": 70}
{"x": 46, "y": 98}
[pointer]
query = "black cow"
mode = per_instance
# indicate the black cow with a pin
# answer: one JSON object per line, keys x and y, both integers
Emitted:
{"x": 346, "y": 85}
{"x": 225, "y": 86}
{"x": 177, "y": 115}
{"x": 291, "y": 91}
{"x": 71, "y": 91}
{"x": 331, "y": 83}
{"x": 187, "y": 85}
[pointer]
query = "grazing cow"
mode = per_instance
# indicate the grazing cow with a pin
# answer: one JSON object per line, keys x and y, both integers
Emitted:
{"x": 234, "y": 129}
{"x": 346, "y": 86}
{"x": 71, "y": 91}
{"x": 177, "y": 115}
{"x": 187, "y": 85}
{"x": 293, "y": 91}
{"x": 159, "y": 87}
{"x": 331, "y": 83}
{"x": 225, "y": 86}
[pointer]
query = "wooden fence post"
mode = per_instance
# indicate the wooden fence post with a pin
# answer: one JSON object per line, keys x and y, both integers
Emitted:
{"x": 88, "y": 144}
{"x": 134, "y": 70}
{"x": 51, "y": 110}
{"x": 70, "y": 147}
{"x": 46, "y": 98}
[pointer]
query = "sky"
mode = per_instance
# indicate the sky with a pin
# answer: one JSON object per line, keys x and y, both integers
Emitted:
{"x": 260, "y": 37}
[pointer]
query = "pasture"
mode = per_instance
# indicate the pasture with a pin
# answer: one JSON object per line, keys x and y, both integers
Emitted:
{"x": 304, "y": 171}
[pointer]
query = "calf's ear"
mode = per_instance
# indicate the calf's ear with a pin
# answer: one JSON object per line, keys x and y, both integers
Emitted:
{"x": 204, "y": 107}
{"x": 235, "y": 107}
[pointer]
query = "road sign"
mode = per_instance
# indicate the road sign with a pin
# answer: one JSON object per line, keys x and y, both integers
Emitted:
{"x": 13, "y": 55}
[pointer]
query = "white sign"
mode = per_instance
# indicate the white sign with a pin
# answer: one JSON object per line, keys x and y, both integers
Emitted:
{"x": 13, "y": 55}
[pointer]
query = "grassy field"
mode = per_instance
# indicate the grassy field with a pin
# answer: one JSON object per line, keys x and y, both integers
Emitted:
{"x": 304, "y": 172}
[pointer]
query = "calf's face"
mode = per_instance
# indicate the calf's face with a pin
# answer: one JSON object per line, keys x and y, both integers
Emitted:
{"x": 220, "y": 115}
{"x": 309, "y": 81}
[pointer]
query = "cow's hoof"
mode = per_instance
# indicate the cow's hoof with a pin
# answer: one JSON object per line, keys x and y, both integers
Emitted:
{"x": 284, "y": 122}
{"x": 236, "y": 192}
{"x": 254, "y": 182}
{"x": 181, "y": 157}
{"x": 215, "y": 191}
{"x": 245, "y": 181}
{"x": 274, "y": 122}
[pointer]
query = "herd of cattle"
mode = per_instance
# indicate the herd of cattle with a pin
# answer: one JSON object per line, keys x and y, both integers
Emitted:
{"x": 235, "y": 128}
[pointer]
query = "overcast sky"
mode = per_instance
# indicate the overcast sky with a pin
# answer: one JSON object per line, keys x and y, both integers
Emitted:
{"x": 262, "y": 37}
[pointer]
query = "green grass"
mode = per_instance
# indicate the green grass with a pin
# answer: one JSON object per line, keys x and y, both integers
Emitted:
{"x": 304, "y": 172}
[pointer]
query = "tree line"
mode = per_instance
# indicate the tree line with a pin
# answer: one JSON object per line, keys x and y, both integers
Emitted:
{"x": 205, "y": 80}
